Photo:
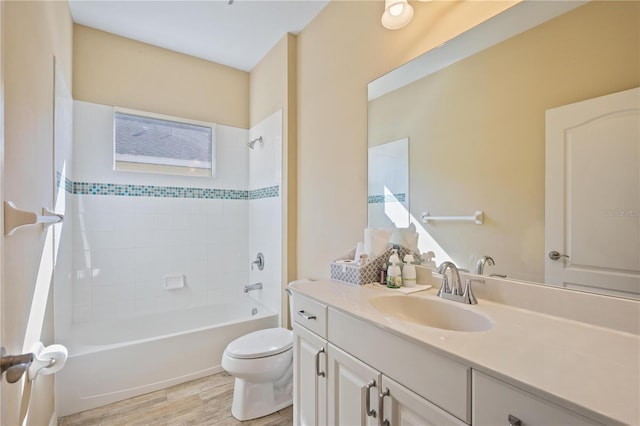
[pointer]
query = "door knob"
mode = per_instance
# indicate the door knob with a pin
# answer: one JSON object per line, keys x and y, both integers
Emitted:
{"x": 14, "y": 365}
{"x": 554, "y": 255}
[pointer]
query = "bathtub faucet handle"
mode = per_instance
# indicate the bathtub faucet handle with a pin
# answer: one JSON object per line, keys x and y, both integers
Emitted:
{"x": 259, "y": 261}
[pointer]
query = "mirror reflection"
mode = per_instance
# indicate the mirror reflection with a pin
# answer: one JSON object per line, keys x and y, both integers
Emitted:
{"x": 388, "y": 196}
{"x": 476, "y": 131}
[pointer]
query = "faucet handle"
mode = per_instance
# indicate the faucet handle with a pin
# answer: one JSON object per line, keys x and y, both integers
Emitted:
{"x": 468, "y": 295}
{"x": 259, "y": 261}
{"x": 445, "y": 283}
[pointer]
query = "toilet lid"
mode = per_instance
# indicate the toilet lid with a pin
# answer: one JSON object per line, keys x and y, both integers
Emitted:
{"x": 261, "y": 343}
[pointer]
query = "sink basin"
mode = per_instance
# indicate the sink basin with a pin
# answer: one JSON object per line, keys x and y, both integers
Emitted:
{"x": 431, "y": 313}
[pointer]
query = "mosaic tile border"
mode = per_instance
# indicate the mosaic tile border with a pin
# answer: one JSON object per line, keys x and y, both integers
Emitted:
{"x": 386, "y": 198}
{"x": 267, "y": 192}
{"x": 126, "y": 190}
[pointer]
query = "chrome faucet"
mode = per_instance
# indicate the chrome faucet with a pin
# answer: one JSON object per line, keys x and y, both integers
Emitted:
{"x": 256, "y": 286}
{"x": 456, "y": 287}
{"x": 454, "y": 291}
{"x": 482, "y": 262}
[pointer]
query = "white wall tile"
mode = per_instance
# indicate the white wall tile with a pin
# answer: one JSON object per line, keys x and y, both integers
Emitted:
{"x": 265, "y": 160}
{"x": 232, "y": 168}
{"x": 92, "y": 147}
{"x": 81, "y": 294}
{"x": 81, "y": 314}
{"x": 265, "y": 226}
{"x": 122, "y": 247}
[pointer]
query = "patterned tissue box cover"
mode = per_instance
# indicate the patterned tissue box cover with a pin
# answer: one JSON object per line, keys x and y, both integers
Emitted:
{"x": 361, "y": 275}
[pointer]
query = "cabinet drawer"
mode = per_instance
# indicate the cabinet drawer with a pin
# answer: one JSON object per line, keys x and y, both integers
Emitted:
{"x": 442, "y": 381}
{"x": 494, "y": 401}
{"x": 310, "y": 314}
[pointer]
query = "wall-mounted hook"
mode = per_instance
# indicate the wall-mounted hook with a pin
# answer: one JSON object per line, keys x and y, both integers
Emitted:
{"x": 15, "y": 218}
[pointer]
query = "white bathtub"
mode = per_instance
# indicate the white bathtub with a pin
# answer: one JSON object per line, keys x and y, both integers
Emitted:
{"x": 117, "y": 360}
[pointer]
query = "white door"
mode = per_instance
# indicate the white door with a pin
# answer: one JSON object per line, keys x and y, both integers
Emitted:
{"x": 309, "y": 378}
{"x": 592, "y": 239}
{"x": 353, "y": 390}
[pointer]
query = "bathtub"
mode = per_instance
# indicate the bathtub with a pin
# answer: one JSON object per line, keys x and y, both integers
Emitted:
{"x": 112, "y": 361}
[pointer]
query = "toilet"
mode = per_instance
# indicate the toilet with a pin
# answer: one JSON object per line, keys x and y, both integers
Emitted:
{"x": 262, "y": 364}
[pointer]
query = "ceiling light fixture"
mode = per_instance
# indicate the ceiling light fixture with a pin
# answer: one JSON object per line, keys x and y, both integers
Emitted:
{"x": 397, "y": 13}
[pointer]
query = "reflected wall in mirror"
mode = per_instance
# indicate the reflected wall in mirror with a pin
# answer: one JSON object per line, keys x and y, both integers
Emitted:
{"x": 477, "y": 129}
{"x": 388, "y": 198}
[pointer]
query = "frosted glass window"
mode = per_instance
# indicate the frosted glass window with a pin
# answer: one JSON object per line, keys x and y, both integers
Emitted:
{"x": 163, "y": 145}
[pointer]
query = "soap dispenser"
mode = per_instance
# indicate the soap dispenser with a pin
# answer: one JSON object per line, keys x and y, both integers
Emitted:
{"x": 394, "y": 273}
{"x": 408, "y": 271}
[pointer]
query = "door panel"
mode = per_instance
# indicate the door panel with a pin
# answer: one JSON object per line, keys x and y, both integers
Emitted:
{"x": 593, "y": 194}
{"x": 404, "y": 407}
{"x": 350, "y": 382}
{"x": 309, "y": 388}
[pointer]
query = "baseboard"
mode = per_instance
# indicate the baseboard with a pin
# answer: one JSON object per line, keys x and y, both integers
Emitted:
{"x": 53, "y": 421}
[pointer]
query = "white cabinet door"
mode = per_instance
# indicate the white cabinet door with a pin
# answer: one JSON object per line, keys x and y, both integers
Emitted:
{"x": 593, "y": 195}
{"x": 404, "y": 407}
{"x": 309, "y": 378}
{"x": 353, "y": 390}
{"x": 497, "y": 403}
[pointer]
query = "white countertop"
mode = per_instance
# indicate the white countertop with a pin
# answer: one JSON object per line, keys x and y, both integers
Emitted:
{"x": 589, "y": 369}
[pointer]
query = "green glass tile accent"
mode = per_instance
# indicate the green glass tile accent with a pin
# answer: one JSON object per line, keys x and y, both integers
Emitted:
{"x": 379, "y": 199}
{"x": 126, "y": 190}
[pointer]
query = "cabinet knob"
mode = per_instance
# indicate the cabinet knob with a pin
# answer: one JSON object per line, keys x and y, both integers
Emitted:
{"x": 514, "y": 421}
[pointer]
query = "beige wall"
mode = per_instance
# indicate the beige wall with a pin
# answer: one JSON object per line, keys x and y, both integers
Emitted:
{"x": 343, "y": 49}
{"x": 273, "y": 87}
{"x": 113, "y": 70}
{"x": 477, "y": 129}
{"x": 33, "y": 32}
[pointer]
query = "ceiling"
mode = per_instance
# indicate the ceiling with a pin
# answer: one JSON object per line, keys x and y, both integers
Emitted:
{"x": 238, "y": 35}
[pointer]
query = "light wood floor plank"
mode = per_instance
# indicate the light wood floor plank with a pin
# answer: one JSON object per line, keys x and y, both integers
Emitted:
{"x": 201, "y": 402}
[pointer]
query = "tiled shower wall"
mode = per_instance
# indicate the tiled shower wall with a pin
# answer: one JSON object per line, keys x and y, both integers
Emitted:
{"x": 265, "y": 213}
{"x": 123, "y": 246}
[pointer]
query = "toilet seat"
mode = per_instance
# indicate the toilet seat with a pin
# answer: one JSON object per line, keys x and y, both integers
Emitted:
{"x": 261, "y": 343}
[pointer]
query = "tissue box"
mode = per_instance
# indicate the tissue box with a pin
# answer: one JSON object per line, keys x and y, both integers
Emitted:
{"x": 360, "y": 275}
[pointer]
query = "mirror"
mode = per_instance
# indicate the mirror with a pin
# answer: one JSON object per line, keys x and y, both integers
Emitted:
{"x": 388, "y": 186}
{"x": 475, "y": 120}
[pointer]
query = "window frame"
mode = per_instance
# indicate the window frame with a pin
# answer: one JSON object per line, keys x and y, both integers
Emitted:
{"x": 168, "y": 169}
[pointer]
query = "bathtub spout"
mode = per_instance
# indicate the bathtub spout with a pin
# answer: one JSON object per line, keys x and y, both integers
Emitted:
{"x": 256, "y": 286}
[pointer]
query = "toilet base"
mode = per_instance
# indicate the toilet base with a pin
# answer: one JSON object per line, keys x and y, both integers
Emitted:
{"x": 253, "y": 400}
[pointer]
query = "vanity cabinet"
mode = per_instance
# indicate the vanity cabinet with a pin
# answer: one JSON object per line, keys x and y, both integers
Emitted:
{"x": 309, "y": 378}
{"x": 404, "y": 407}
{"x": 498, "y": 403}
{"x": 343, "y": 370}
{"x": 353, "y": 389}
{"x": 310, "y": 349}
{"x": 437, "y": 379}
{"x": 354, "y": 359}
{"x": 361, "y": 395}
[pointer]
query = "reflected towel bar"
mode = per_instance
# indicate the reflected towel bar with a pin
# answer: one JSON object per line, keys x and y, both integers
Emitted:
{"x": 477, "y": 218}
